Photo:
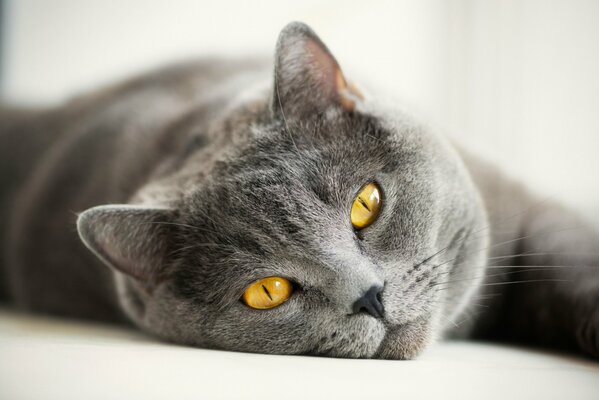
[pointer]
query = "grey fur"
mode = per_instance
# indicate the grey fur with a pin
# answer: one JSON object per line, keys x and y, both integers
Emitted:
{"x": 194, "y": 181}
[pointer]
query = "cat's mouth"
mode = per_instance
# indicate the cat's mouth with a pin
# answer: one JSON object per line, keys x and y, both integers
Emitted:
{"x": 375, "y": 340}
{"x": 405, "y": 341}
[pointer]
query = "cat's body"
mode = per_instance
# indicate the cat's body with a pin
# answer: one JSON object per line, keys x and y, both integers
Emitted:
{"x": 227, "y": 172}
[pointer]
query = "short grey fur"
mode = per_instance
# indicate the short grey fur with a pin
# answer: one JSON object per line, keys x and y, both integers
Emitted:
{"x": 194, "y": 181}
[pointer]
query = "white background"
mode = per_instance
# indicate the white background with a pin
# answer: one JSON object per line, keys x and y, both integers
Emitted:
{"x": 516, "y": 80}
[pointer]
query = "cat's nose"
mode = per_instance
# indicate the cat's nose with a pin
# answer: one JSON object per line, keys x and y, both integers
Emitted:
{"x": 370, "y": 302}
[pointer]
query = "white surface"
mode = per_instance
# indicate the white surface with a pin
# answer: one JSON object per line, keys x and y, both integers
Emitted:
{"x": 43, "y": 358}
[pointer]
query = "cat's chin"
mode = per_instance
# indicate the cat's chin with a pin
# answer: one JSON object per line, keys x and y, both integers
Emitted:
{"x": 406, "y": 341}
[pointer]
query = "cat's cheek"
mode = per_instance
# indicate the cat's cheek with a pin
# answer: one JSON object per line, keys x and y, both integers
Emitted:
{"x": 280, "y": 330}
{"x": 406, "y": 342}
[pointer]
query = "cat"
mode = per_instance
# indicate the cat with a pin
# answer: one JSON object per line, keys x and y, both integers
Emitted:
{"x": 285, "y": 214}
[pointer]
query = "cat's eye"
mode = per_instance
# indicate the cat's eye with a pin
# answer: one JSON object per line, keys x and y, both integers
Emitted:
{"x": 366, "y": 206}
{"x": 268, "y": 293}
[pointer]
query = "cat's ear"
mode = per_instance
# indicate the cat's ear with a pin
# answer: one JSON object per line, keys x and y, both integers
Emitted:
{"x": 130, "y": 239}
{"x": 308, "y": 79}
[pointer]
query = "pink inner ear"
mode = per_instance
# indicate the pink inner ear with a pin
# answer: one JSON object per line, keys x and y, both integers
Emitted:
{"x": 133, "y": 259}
{"x": 324, "y": 69}
{"x": 330, "y": 77}
{"x": 110, "y": 249}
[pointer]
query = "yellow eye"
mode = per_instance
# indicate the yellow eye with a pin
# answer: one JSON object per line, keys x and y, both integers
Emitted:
{"x": 366, "y": 206}
{"x": 268, "y": 293}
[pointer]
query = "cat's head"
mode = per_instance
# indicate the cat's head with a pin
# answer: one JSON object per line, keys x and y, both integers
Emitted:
{"x": 338, "y": 226}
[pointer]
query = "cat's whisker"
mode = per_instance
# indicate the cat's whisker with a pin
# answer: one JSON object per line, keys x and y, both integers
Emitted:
{"x": 431, "y": 257}
{"x": 531, "y": 236}
{"x": 447, "y": 319}
{"x": 469, "y": 315}
{"x": 486, "y": 276}
{"x": 525, "y": 281}
{"x": 449, "y": 302}
{"x": 514, "y": 283}
{"x": 540, "y": 267}
{"x": 487, "y": 227}
{"x": 511, "y": 241}
{"x": 538, "y": 254}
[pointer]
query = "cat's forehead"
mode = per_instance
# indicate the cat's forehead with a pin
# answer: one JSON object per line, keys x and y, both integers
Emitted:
{"x": 327, "y": 156}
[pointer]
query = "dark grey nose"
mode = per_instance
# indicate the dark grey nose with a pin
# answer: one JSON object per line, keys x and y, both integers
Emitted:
{"x": 370, "y": 302}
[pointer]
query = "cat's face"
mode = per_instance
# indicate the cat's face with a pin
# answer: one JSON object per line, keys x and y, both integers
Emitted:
{"x": 280, "y": 205}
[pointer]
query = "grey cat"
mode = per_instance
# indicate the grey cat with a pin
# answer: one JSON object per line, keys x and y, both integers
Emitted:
{"x": 195, "y": 182}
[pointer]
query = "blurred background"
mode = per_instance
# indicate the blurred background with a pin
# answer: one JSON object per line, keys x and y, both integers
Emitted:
{"x": 514, "y": 80}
